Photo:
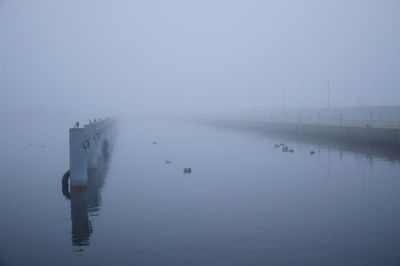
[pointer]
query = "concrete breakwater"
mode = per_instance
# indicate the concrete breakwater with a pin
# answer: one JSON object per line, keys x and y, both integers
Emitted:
{"x": 86, "y": 145}
{"x": 375, "y": 125}
{"x": 371, "y": 135}
{"x": 372, "y": 116}
{"x": 384, "y": 136}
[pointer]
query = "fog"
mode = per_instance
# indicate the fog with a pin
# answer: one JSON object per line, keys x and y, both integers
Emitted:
{"x": 241, "y": 182}
{"x": 126, "y": 57}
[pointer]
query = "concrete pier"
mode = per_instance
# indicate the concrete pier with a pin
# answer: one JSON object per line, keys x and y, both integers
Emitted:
{"x": 77, "y": 157}
{"x": 86, "y": 146}
{"x": 389, "y": 137}
{"x": 378, "y": 125}
{"x": 92, "y": 150}
{"x": 382, "y": 136}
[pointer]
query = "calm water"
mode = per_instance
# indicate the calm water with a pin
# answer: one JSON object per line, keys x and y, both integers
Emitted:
{"x": 245, "y": 203}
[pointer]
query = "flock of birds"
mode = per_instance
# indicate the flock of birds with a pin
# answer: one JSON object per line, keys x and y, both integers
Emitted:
{"x": 285, "y": 148}
{"x": 186, "y": 170}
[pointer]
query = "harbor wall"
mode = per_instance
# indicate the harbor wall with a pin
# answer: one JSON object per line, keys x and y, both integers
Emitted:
{"x": 374, "y": 116}
{"x": 357, "y": 134}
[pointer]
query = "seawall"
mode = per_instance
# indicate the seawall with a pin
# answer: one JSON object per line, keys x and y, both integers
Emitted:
{"x": 356, "y": 134}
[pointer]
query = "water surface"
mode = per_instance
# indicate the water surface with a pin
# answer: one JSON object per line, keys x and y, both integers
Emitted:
{"x": 245, "y": 203}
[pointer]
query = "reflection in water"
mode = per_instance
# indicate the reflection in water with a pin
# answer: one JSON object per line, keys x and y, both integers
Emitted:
{"x": 81, "y": 226}
{"x": 85, "y": 201}
{"x": 369, "y": 150}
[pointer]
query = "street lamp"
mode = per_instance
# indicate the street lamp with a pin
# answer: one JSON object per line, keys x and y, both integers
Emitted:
{"x": 284, "y": 102}
{"x": 284, "y": 98}
{"x": 329, "y": 93}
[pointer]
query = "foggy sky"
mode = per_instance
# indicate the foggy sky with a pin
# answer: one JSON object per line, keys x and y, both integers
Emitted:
{"x": 108, "y": 57}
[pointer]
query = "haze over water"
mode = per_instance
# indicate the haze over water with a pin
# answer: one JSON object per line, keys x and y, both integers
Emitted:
{"x": 245, "y": 203}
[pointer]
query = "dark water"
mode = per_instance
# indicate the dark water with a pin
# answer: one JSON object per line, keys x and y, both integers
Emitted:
{"x": 245, "y": 203}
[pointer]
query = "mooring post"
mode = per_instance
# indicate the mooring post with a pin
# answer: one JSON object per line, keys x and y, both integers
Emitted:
{"x": 85, "y": 149}
{"x": 78, "y": 146}
{"x": 92, "y": 149}
{"x": 98, "y": 138}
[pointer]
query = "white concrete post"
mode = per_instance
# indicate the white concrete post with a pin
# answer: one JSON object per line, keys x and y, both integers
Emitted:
{"x": 77, "y": 157}
{"x": 92, "y": 150}
{"x": 99, "y": 140}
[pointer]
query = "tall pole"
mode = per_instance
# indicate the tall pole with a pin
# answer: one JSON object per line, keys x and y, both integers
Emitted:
{"x": 284, "y": 102}
{"x": 329, "y": 93}
{"x": 302, "y": 94}
{"x": 284, "y": 98}
{"x": 362, "y": 82}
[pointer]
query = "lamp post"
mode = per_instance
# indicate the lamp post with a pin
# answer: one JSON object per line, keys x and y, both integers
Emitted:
{"x": 284, "y": 102}
{"x": 284, "y": 98}
{"x": 329, "y": 93}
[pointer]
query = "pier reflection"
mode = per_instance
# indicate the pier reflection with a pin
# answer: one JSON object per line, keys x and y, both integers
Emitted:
{"x": 371, "y": 151}
{"x": 85, "y": 202}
